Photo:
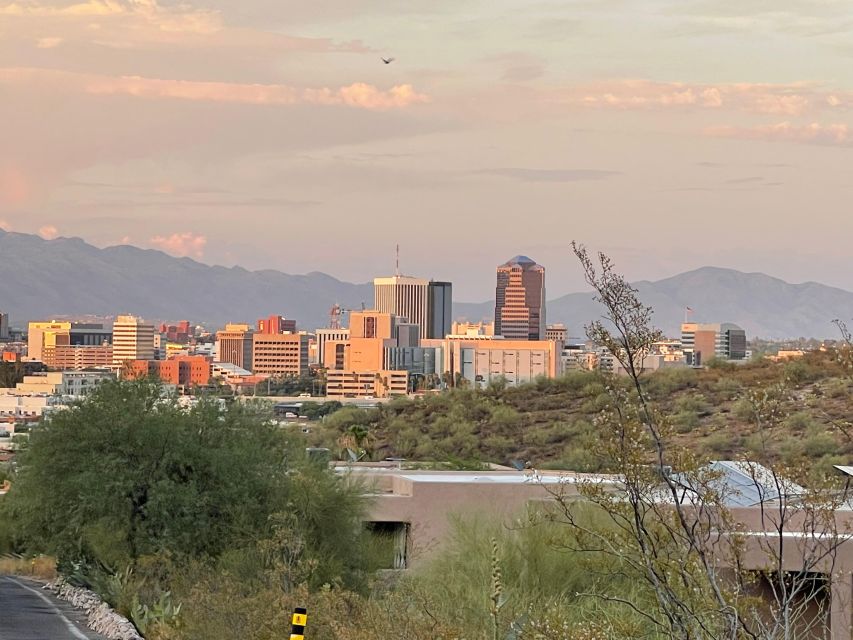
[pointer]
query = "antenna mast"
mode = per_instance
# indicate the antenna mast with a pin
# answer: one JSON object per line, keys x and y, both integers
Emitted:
{"x": 397, "y": 270}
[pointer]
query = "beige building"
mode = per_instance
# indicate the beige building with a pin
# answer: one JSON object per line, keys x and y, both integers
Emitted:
{"x": 133, "y": 339}
{"x": 280, "y": 354}
{"x": 557, "y": 333}
{"x": 517, "y": 361}
{"x": 473, "y": 329}
{"x": 418, "y": 507}
{"x": 366, "y": 384}
{"x": 701, "y": 342}
{"x": 46, "y": 334}
{"x": 234, "y": 345}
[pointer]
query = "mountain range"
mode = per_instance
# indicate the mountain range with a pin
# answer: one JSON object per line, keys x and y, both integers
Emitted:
{"x": 43, "y": 279}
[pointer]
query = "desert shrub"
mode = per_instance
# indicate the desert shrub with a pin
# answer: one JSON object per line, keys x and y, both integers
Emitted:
{"x": 685, "y": 420}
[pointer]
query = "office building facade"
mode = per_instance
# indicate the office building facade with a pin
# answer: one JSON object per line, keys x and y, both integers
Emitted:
{"x": 703, "y": 341}
{"x": 423, "y": 302}
{"x": 234, "y": 345}
{"x": 133, "y": 339}
{"x": 275, "y": 325}
{"x": 520, "y": 300}
{"x": 283, "y": 354}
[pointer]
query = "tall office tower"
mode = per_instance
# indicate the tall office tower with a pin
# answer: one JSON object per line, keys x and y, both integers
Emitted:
{"x": 423, "y": 302}
{"x": 520, "y": 300}
{"x": 234, "y": 345}
{"x": 276, "y": 325}
{"x": 133, "y": 339}
{"x": 440, "y": 319}
{"x": 4, "y": 326}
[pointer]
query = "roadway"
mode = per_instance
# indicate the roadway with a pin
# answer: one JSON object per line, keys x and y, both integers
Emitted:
{"x": 28, "y": 612}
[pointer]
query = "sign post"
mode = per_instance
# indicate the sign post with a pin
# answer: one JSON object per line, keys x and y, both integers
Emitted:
{"x": 298, "y": 622}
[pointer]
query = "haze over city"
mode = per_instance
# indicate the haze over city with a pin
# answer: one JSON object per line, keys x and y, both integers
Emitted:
{"x": 271, "y": 134}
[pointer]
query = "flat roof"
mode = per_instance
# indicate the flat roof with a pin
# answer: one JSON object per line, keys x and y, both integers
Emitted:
{"x": 485, "y": 477}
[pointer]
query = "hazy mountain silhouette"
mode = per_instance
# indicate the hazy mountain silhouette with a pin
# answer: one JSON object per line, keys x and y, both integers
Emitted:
{"x": 766, "y": 307}
{"x": 66, "y": 276}
{"x": 40, "y": 279}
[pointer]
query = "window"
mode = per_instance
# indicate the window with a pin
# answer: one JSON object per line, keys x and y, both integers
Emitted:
{"x": 389, "y": 543}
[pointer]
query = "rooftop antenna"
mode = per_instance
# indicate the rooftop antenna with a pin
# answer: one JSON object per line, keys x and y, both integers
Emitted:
{"x": 397, "y": 271}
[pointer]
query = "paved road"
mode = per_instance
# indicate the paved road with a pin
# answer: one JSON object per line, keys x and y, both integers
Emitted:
{"x": 29, "y": 613}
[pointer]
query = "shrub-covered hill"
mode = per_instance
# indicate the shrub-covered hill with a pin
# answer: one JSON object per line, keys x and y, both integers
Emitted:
{"x": 551, "y": 423}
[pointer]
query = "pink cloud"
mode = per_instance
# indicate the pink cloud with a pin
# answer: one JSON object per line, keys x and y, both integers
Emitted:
{"x": 792, "y": 99}
{"x": 360, "y": 95}
{"x": 4, "y": 224}
{"x": 357, "y": 95}
{"x": 48, "y": 232}
{"x": 814, "y": 133}
{"x": 49, "y": 43}
{"x": 181, "y": 244}
{"x": 179, "y": 18}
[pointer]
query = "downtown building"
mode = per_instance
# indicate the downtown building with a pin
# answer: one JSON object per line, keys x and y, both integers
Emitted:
{"x": 426, "y": 303}
{"x": 234, "y": 345}
{"x": 68, "y": 345}
{"x": 133, "y": 339}
{"x": 701, "y": 342}
{"x": 520, "y": 300}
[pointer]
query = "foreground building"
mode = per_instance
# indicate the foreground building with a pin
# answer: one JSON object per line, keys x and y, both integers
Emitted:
{"x": 417, "y": 508}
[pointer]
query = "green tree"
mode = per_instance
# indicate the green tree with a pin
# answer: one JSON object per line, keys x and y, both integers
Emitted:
{"x": 129, "y": 474}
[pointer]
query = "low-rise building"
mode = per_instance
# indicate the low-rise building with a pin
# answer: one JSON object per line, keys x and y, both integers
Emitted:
{"x": 181, "y": 371}
{"x": 515, "y": 361}
{"x": 77, "y": 357}
{"x": 366, "y": 384}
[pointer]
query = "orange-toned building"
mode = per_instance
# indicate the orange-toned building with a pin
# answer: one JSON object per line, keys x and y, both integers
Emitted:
{"x": 182, "y": 371}
{"x": 280, "y": 354}
{"x": 520, "y": 300}
{"x": 77, "y": 357}
{"x": 276, "y": 324}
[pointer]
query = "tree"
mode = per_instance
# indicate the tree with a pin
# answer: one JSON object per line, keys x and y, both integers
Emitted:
{"x": 129, "y": 474}
{"x": 674, "y": 530}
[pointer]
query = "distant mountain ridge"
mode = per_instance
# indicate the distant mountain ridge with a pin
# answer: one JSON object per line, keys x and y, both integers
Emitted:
{"x": 764, "y": 306}
{"x": 40, "y": 279}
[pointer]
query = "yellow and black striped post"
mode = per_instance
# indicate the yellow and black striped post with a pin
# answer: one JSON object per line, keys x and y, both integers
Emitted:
{"x": 297, "y": 627}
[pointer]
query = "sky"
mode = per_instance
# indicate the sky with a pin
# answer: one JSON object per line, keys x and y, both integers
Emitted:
{"x": 670, "y": 134}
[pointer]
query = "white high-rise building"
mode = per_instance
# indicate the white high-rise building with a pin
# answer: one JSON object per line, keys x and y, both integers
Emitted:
{"x": 132, "y": 340}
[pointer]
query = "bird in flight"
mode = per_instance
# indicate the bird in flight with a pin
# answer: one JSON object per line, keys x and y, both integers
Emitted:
{"x": 387, "y": 60}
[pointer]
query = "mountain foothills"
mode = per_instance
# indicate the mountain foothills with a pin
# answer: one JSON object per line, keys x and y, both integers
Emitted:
{"x": 67, "y": 276}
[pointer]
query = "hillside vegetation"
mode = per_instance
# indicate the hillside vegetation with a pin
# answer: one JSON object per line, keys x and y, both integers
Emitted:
{"x": 552, "y": 423}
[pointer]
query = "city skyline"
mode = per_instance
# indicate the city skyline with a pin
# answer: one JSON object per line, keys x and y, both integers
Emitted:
{"x": 191, "y": 126}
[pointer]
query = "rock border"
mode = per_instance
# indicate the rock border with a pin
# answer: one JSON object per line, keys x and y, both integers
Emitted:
{"x": 100, "y": 617}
